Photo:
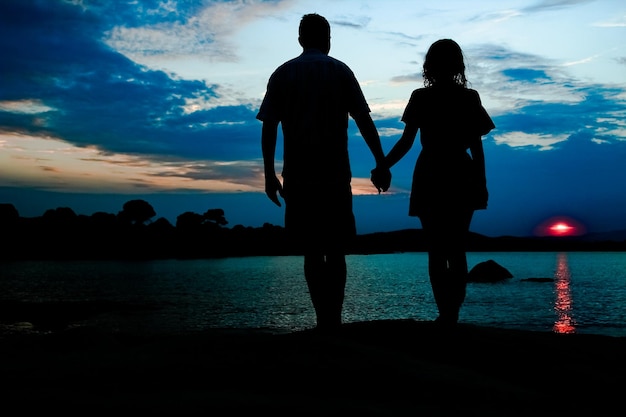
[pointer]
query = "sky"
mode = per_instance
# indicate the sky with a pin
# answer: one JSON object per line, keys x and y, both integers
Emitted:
{"x": 105, "y": 102}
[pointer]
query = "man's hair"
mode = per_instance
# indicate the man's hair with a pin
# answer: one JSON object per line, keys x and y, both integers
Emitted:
{"x": 314, "y": 31}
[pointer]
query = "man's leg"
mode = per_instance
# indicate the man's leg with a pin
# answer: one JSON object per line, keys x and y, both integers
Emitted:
{"x": 335, "y": 287}
{"x": 314, "y": 273}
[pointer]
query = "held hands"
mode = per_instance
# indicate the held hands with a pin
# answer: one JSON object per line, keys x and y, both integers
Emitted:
{"x": 381, "y": 178}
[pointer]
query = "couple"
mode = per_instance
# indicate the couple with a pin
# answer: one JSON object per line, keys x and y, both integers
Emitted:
{"x": 312, "y": 96}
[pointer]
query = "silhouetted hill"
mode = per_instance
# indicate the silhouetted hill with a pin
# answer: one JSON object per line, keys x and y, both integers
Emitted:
{"x": 412, "y": 240}
{"x": 615, "y": 236}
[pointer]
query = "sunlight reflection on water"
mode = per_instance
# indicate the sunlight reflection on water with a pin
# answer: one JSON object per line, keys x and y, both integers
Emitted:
{"x": 565, "y": 323}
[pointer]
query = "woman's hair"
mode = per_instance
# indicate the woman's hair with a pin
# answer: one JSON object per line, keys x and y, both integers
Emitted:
{"x": 444, "y": 64}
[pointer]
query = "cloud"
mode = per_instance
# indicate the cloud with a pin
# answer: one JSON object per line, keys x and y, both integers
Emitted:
{"x": 581, "y": 61}
{"x": 71, "y": 168}
{"x": 519, "y": 139}
{"x": 27, "y": 106}
{"x": 203, "y": 29}
{"x": 408, "y": 78}
{"x": 389, "y": 131}
{"x": 354, "y": 22}
{"x": 546, "y": 5}
{"x": 65, "y": 82}
{"x": 616, "y": 22}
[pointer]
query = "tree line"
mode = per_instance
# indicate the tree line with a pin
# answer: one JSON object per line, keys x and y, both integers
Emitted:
{"x": 132, "y": 233}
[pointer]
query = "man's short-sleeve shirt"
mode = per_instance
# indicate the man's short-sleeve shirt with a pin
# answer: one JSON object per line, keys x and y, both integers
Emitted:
{"x": 312, "y": 96}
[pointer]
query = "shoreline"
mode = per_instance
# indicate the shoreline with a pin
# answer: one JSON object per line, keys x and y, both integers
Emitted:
{"x": 372, "y": 368}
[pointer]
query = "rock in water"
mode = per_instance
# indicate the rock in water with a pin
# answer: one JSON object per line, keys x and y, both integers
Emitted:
{"x": 488, "y": 271}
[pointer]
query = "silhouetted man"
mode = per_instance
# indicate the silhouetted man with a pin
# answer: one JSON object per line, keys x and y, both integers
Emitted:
{"x": 311, "y": 96}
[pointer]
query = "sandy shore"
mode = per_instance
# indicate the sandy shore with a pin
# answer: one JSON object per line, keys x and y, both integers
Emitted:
{"x": 381, "y": 368}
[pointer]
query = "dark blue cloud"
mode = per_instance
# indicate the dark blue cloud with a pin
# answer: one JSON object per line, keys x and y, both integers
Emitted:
{"x": 98, "y": 96}
{"x": 526, "y": 74}
{"x": 144, "y": 12}
{"x": 595, "y": 113}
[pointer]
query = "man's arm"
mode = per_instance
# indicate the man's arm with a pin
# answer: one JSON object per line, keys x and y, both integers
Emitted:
{"x": 368, "y": 130}
{"x": 273, "y": 187}
{"x": 381, "y": 175}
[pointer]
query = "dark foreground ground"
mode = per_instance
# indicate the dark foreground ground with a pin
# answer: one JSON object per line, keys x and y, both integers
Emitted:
{"x": 381, "y": 368}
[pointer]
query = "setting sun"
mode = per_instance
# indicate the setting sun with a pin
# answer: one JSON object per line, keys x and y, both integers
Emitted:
{"x": 560, "y": 226}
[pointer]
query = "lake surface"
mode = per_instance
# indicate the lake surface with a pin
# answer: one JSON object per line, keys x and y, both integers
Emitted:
{"x": 586, "y": 294}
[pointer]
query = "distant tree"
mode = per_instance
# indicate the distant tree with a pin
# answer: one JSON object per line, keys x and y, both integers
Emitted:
{"x": 102, "y": 219}
{"x": 60, "y": 215}
{"x": 8, "y": 213}
{"x": 189, "y": 221}
{"x": 136, "y": 212}
{"x": 215, "y": 216}
{"x": 161, "y": 225}
{"x": 239, "y": 228}
{"x": 9, "y": 225}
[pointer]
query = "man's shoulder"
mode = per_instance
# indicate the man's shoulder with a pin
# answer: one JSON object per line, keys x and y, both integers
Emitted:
{"x": 315, "y": 56}
{"x": 304, "y": 61}
{"x": 336, "y": 61}
{"x": 287, "y": 64}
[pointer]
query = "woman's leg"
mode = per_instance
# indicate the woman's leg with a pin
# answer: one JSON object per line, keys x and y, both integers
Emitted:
{"x": 433, "y": 227}
{"x": 457, "y": 260}
{"x": 446, "y": 233}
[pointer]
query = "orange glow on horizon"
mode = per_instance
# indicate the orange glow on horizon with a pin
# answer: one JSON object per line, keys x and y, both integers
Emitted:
{"x": 53, "y": 164}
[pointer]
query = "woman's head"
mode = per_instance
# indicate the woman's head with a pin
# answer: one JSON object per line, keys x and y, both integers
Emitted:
{"x": 444, "y": 64}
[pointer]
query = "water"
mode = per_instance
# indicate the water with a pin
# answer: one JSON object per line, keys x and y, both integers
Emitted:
{"x": 587, "y": 294}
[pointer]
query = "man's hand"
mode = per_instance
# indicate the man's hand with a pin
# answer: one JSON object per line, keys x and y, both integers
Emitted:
{"x": 273, "y": 188}
{"x": 381, "y": 178}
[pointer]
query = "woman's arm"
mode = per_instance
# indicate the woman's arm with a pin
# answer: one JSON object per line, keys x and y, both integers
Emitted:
{"x": 403, "y": 145}
{"x": 478, "y": 155}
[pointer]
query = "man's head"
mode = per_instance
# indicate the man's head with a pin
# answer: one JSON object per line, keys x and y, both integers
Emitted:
{"x": 314, "y": 32}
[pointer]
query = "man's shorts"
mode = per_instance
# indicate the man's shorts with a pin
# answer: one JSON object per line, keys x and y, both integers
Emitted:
{"x": 319, "y": 216}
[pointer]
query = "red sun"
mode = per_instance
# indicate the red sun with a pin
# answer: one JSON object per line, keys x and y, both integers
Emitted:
{"x": 561, "y": 229}
{"x": 560, "y": 226}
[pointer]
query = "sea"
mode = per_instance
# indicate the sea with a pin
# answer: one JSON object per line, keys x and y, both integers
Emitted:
{"x": 562, "y": 292}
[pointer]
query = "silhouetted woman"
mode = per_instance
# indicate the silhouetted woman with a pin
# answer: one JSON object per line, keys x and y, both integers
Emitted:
{"x": 448, "y": 183}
